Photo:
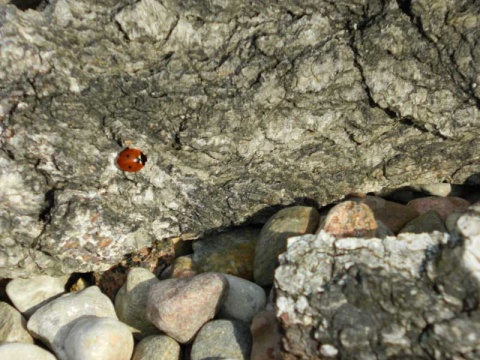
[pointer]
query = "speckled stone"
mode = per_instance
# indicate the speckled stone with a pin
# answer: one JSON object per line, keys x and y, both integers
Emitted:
{"x": 393, "y": 215}
{"x": 350, "y": 219}
{"x": 13, "y": 326}
{"x": 157, "y": 347}
{"x": 131, "y": 302}
{"x": 180, "y": 307}
{"x": 288, "y": 222}
{"x": 228, "y": 339}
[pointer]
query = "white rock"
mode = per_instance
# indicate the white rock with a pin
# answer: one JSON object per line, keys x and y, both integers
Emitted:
{"x": 13, "y": 326}
{"x": 22, "y": 351}
{"x": 99, "y": 338}
{"x": 52, "y": 322}
{"x": 131, "y": 302}
{"x": 244, "y": 300}
{"x": 27, "y": 295}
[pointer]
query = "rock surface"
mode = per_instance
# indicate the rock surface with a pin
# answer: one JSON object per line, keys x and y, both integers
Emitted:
{"x": 29, "y": 294}
{"x": 222, "y": 339}
{"x": 52, "y": 322}
{"x": 231, "y": 252}
{"x": 157, "y": 346}
{"x": 131, "y": 302}
{"x": 403, "y": 296}
{"x": 98, "y": 338}
{"x": 243, "y": 301}
{"x": 24, "y": 351}
{"x": 13, "y": 326}
{"x": 180, "y": 307}
{"x": 285, "y": 223}
{"x": 239, "y": 107}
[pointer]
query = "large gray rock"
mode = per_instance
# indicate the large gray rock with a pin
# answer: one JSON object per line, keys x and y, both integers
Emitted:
{"x": 239, "y": 106}
{"x": 405, "y": 296}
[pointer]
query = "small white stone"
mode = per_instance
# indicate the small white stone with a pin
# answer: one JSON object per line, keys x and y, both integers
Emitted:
{"x": 328, "y": 350}
{"x": 99, "y": 338}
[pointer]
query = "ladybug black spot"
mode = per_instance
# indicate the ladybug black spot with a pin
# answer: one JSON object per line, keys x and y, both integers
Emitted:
{"x": 127, "y": 156}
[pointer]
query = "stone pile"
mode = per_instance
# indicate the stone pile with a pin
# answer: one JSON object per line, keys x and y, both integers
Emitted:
{"x": 220, "y": 300}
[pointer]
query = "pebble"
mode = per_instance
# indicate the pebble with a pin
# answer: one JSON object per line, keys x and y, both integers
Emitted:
{"x": 443, "y": 205}
{"x": 266, "y": 337}
{"x": 131, "y": 302}
{"x": 27, "y": 295}
{"x": 102, "y": 338}
{"x": 393, "y": 215}
{"x": 53, "y": 321}
{"x": 180, "y": 307}
{"x": 231, "y": 252}
{"x": 244, "y": 300}
{"x": 222, "y": 339}
{"x": 13, "y": 326}
{"x": 288, "y": 222}
{"x": 23, "y": 351}
{"x": 350, "y": 219}
{"x": 425, "y": 223}
{"x": 184, "y": 266}
{"x": 157, "y": 347}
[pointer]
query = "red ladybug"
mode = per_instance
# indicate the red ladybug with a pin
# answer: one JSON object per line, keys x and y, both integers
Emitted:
{"x": 131, "y": 160}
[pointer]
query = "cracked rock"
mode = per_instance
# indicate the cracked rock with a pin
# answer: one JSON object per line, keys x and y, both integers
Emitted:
{"x": 413, "y": 295}
{"x": 241, "y": 107}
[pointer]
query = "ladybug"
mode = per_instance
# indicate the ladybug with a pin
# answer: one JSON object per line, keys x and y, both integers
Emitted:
{"x": 131, "y": 160}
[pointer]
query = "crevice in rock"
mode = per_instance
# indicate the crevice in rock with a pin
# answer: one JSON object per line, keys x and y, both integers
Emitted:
{"x": 45, "y": 215}
{"x": 38, "y": 5}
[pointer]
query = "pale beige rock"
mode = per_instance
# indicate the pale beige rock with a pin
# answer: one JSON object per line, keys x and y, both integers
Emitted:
{"x": 21, "y": 351}
{"x": 98, "y": 338}
{"x": 52, "y": 322}
{"x": 157, "y": 347}
{"x": 29, "y": 294}
{"x": 13, "y": 326}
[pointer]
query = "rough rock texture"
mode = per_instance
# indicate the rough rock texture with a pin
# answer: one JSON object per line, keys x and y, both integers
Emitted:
{"x": 239, "y": 106}
{"x": 410, "y": 296}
